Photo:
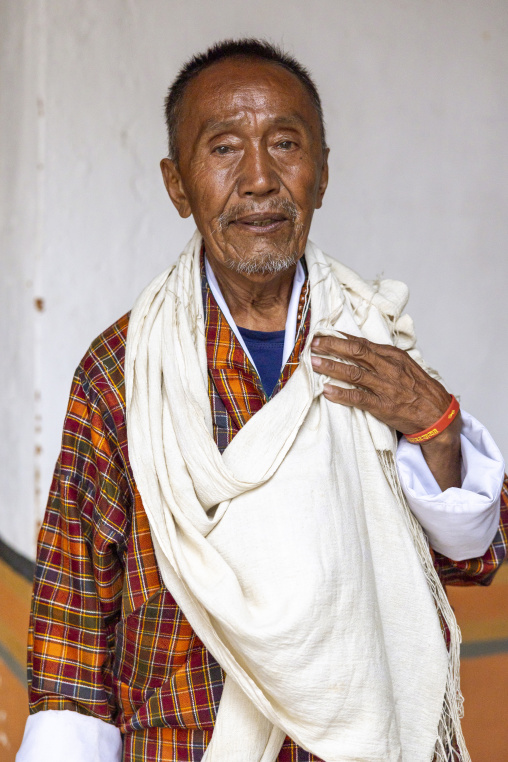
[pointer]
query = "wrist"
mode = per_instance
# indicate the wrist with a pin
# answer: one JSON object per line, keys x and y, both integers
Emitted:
{"x": 447, "y": 439}
{"x": 443, "y": 456}
{"x": 438, "y": 427}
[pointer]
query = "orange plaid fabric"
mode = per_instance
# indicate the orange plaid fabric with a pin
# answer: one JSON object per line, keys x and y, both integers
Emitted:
{"x": 106, "y": 637}
{"x": 234, "y": 387}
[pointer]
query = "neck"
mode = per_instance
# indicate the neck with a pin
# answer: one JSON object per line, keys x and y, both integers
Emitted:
{"x": 257, "y": 302}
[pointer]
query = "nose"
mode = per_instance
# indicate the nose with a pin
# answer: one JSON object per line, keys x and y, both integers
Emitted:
{"x": 257, "y": 175}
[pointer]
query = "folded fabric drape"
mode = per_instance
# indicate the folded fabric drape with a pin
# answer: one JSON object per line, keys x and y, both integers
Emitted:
{"x": 280, "y": 551}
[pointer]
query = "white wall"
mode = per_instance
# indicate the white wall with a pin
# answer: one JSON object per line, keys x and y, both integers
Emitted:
{"x": 416, "y": 101}
{"x": 20, "y": 250}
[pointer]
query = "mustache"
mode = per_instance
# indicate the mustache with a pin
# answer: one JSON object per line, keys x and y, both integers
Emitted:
{"x": 276, "y": 206}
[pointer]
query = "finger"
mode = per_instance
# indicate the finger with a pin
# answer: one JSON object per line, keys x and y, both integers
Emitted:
{"x": 341, "y": 371}
{"x": 388, "y": 349}
{"x": 357, "y": 350}
{"x": 359, "y": 398}
{"x": 387, "y": 361}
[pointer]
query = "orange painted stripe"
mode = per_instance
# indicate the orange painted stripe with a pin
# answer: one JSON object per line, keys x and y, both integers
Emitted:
{"x": 482, "y": 612}
{"x": 15, "y": 594}
{"x": 484, "y": 684}
{"x": 13, "y": 713}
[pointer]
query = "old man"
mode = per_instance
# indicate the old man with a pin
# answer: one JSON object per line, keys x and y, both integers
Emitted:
{"x": 259, "y": 481}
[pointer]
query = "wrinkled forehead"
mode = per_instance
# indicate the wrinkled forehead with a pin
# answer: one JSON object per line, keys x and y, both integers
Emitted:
{"x": 230, "y": 89}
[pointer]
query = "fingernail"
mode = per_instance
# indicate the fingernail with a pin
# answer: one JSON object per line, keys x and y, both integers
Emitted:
{"x": 315, "y": 342}
{"x": 315, "y": 361}
{"x": 328, "y": 388}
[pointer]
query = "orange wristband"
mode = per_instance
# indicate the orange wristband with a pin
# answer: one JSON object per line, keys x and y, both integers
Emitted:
{"x": 439, "y": 426}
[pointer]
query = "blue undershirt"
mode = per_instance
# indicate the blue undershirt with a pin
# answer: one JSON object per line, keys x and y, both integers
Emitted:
{"x": 266, "y": 349}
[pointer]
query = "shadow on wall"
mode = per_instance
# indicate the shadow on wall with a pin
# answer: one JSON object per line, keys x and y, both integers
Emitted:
{"x": 482, "y": 614}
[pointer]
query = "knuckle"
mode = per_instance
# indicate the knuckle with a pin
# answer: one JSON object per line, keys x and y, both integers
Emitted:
{"x": 355, "y": 373}
{"x": 358, "y": 348}
{"x": 356, "y": 396}
{"x": 398, "y": 369}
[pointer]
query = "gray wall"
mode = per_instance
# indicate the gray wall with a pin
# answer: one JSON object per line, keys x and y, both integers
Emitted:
{"x": 416, "y": 100}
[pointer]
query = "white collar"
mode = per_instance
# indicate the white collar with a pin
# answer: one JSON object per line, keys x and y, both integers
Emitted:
{"x": 290, "y": 330}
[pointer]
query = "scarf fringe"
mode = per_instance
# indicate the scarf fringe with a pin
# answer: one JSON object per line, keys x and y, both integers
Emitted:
{"x": 450, "y": 734}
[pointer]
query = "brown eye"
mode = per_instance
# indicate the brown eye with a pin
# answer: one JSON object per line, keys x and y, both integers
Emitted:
{"x": 222, "y": 150}
{"x": 286, "y": 145}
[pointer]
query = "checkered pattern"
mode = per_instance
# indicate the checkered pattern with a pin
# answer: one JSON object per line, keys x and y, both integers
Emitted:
{"x": 234, "y": 387}
{"x": 106, "y": 637}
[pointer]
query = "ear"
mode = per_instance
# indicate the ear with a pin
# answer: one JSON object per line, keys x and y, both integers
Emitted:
{"x": 174, "y": 186}
{"x": 323, "y": 181}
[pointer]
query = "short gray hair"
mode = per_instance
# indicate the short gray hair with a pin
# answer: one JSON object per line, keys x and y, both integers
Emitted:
{"x": 248, "y": 47}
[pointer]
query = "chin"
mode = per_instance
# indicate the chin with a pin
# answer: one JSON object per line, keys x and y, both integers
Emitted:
{"x": 263, "y": 263}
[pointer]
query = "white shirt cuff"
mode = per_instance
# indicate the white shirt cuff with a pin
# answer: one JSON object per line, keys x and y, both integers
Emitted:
{"x": 65, "y": 736}
{"x": 460, "y": 523}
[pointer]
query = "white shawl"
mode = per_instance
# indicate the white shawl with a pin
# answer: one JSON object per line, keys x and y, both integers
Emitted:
{"x": 293, "y": 555}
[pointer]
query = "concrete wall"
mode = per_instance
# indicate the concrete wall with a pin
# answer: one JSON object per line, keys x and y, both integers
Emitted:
{"x": 416, "y": 100}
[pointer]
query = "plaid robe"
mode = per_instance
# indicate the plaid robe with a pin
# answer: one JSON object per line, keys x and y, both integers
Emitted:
{"x": 106, "y": 637}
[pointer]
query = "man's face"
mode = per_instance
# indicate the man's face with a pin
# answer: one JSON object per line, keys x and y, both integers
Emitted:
{"x": 251, "y": 168}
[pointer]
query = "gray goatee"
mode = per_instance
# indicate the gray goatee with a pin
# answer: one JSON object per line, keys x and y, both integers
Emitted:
{"x": 262, "y": 262}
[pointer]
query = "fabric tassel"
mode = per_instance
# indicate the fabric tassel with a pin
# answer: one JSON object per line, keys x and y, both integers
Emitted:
{"x": 450, "y": 734}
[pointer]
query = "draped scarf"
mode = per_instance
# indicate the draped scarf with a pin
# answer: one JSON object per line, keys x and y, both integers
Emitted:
{"x": 282, "y": 551}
